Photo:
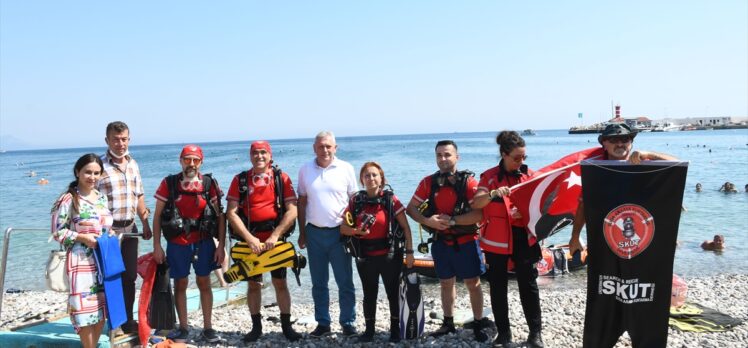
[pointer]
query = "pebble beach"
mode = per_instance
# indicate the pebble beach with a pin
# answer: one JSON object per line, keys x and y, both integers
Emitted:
{"x": 563, "y": 318}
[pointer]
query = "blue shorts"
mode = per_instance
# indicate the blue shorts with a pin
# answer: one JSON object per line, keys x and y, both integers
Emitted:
{"x": 464, "y": 263}
{"x": 180, "y": 257}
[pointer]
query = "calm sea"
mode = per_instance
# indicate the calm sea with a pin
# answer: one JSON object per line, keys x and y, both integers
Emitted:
{"x": 715, "y": 157}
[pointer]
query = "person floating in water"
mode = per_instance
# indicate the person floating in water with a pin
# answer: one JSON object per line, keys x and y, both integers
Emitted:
{"x": 42, "y": 181}
{"x": 728, "y": 187}
{"x": 698, "y": 187}
{"x": 718, "y": 244}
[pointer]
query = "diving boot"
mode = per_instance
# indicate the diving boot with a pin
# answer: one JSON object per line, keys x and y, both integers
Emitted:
{"x": 287, "y": 328}
{"x": 535, "y": 340}
{"x": 394, "y": 330}
{"x": 478, "y": 325}
{"x": 448, "y": 327}
{"x": 503, "y": 339}
{"x": 256, "y": 332}
{"x": 368, "y": 334}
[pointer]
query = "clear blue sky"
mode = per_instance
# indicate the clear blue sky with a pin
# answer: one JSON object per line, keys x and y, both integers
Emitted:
{"x": 179, "y": 71}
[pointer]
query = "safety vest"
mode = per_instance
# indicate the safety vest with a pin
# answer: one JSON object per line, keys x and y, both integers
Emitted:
{"x": 462, "y": 205}
{"x": 173, "y": 224}
{"x": 395, "y": 239}
{"x": 496, "y": 229}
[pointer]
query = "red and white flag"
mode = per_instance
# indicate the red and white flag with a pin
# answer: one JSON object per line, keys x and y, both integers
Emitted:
{"x": 549, "y": 200}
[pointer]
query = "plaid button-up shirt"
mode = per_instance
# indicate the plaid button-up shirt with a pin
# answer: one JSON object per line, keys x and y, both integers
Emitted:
{"x": 122, "y": 186}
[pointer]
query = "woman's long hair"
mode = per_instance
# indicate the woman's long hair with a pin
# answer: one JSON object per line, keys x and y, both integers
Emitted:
{"x": 73, "y": 186}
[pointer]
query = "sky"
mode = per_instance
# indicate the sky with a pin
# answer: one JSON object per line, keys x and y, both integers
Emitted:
{"x": 183, "y": 71}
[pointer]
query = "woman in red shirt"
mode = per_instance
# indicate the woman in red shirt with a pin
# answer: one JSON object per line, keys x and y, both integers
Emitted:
{"x": 367, "y": 220}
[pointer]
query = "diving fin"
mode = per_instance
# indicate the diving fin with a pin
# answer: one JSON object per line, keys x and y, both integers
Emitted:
{"x": 282, "y": 254}
{"x": 299, "y": 263}
{"x": 161, "y": 313}
{"x": 412, "y": 317}
{"x": 248, "y": 264}
{"x": 241, "y": 251}
{"x": 238, "y": 271}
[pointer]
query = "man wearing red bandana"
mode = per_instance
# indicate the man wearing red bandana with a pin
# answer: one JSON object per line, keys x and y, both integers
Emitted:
{"x": 252, "y": 197}
{"x": 189, "y": 213}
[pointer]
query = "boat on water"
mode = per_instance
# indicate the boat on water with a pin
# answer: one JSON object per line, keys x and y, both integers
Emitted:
{"x": 528, "y": 132}
{"x": 556, "y": 260}
{"x": 668, "y": 127}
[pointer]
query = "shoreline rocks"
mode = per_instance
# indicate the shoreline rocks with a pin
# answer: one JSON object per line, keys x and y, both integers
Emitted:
{"x": 563, "y": 317}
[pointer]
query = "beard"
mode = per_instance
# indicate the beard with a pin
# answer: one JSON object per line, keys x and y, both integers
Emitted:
{"x": 190, "y": 173}
{"x": 621, "y": 152}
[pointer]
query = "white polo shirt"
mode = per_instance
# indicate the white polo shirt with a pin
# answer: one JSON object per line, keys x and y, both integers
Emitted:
{"x": 327, "y": 191}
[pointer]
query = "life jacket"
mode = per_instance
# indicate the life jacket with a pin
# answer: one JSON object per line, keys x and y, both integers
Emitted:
{"x": 172, "y": 223}
{"x": 462, "y": 205}
{"x": 280, "y": 207}
{"x": 395, "y": 240}
{"x": 496, "y": 236}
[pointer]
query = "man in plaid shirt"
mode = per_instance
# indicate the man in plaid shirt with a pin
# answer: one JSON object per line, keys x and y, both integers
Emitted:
{"x": 122, "y": 185}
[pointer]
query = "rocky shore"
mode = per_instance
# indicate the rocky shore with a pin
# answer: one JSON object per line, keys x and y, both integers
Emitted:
{"x": 563, "y": 317}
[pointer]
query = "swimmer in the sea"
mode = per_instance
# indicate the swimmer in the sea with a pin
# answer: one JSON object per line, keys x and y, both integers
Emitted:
{"x": 717, "y": 244}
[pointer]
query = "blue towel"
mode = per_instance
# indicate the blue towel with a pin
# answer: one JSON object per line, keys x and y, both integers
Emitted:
{"x": 110, "y": 266}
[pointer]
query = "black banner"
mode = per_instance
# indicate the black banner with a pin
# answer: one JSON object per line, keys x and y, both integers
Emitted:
{"x": 632, "y": 214}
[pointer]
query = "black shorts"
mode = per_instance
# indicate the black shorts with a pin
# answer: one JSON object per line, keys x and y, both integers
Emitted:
{"x": 279, "y": 273}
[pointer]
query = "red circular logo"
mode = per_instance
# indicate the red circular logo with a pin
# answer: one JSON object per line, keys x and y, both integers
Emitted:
{"x": 628, "y": 229}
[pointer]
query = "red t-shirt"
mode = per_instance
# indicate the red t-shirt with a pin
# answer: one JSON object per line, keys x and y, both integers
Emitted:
{"x": 190, "y": 206}
{"x": 446, "y": 199}
{"x": 261, "y": 197}
{"x": 379, "y": 229}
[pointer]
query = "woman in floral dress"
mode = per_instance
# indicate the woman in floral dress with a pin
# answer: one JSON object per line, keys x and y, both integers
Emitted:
{"x": 78, "y": 217}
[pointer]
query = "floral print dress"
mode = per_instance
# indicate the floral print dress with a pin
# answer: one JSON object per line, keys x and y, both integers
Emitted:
{"x": 86, "y": 301}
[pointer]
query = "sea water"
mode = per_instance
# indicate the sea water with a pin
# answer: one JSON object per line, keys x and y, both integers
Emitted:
{"x": 714, "y": 156}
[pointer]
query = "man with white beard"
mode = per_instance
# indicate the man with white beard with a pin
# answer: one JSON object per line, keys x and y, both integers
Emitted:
{"x": 189, "y": 213}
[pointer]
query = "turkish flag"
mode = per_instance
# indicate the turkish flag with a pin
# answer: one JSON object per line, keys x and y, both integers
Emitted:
{"x": 548, "y": 200}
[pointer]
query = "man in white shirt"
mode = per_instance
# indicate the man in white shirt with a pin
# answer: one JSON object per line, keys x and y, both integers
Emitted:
{"x": 325, "y": 185}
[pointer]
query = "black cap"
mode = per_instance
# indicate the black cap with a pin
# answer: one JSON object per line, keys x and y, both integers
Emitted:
{"x": 616, "y": 130}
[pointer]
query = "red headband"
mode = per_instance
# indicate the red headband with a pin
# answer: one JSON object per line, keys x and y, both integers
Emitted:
{"x": 192, "y": 150}
{"x": 261, "y": 145}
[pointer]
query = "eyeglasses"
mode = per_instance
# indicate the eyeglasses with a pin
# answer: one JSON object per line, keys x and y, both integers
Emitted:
{"x": 619, "y": 140}
{"x": 191, "y": 160}
{"x": 518, "y": 158}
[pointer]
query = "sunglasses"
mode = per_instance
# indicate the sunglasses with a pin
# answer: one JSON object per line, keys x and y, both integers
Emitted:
{"x": 190, "y": 160}
{"x": 619, "y": 140}
{"x": 518, "y": 158}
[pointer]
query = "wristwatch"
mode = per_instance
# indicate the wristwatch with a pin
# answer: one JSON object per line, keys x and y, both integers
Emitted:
{"x": 452, "y": 221}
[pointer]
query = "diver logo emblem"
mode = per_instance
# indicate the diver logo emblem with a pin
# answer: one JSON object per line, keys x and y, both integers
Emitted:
{"x": 628, "y": 230}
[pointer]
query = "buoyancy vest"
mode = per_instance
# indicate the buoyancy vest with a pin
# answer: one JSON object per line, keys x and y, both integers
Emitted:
{"x": 173, "y": 224}
{"x": 279, "y": 205}
{"x": 462, "y": 205}
{"x": 496, "y": 230}
{"x": 395, "y": 239}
